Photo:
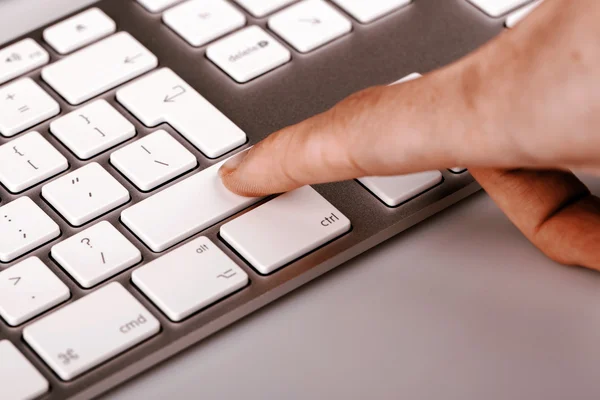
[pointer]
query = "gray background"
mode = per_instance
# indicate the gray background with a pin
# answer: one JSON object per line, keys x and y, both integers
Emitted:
{"x": 460, "y": 307}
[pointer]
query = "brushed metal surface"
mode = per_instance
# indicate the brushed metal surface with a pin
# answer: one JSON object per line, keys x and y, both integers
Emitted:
{"x": 421, "y": 37}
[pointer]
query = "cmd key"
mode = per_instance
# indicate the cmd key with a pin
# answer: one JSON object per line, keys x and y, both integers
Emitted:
{"x": 91, "y": 330}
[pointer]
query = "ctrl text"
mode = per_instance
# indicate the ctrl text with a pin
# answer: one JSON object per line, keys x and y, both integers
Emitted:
{"x": 330, "y": 220}
{"x": 133, "y": 324}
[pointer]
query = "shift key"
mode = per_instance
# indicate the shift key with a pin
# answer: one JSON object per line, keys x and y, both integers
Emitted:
{"x": 91, "y": 330}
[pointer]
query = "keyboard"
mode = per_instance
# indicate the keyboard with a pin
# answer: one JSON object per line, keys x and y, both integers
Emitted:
{"x": 119, "y": 245}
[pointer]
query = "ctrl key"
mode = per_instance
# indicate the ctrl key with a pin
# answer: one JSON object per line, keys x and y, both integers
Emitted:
{"x": 284, "y": 229}
{"x": 91, "y": 330}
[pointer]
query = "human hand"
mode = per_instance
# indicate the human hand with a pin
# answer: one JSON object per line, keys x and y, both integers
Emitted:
{"x": 520, "y": 113}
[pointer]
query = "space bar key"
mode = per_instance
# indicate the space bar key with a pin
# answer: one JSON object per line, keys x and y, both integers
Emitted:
{"x": 183, "y": 210}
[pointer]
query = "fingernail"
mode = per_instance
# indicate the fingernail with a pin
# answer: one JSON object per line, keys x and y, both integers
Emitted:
{"x": 233, "y": 163}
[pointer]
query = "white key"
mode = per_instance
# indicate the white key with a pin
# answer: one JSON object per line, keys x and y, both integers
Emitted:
{"x": 79, "y": 30}
{"x": 24, "y": 104}
{"x": 24, "y": 227}
{"x": 368, "y": 11}
{"x": 96, "y": 254}
{"x": 29, "y": 160}
{"x": 514, "y": 18}
{"x": 496, "y": 8}
{"x": 85, "y": 194}
{"x": 29, "y": 289}
{"x": 260, "y": 8}
{"x": 201, "y": 21}
{"x": 91, "y": 330}
{"x": 19, "y": 380}
{"x": 309, "y": 24}
{"x": 395, "y": 190}
{"x": 410, "y": 77}
{"x": 284, "y": 229}
{"x": 458, "y": 170}
{"x": 183, "y": 210}
{"x": 92, "y": 129}
{"x": 21, "y": 58}
{"x": 153, "y": 160}
{"x": 99, "y": 68}
{"x": 189, "y": 278}
{"x": 164, "y": 97}
{"x": 156, "y": 5}
{"x": 248, "y": 53}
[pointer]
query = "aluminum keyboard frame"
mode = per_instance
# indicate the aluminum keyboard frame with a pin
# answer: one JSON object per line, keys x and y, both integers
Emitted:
{"x": 418, "y": 38}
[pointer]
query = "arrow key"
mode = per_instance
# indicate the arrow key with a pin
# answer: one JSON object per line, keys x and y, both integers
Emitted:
{"x": 28, "y": 289}
{"x": 309, "y": 24}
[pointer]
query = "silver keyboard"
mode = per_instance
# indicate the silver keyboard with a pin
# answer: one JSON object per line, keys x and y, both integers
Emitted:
{"x": 119, "y": 246}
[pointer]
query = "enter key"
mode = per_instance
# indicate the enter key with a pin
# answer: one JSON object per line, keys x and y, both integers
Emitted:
{"x": 163, "y": 96}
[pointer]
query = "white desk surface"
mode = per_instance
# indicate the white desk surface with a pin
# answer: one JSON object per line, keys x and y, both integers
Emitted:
{"x": 459, "y": 307}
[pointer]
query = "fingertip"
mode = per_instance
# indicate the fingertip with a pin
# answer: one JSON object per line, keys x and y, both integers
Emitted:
{"x": 235, "y": 177}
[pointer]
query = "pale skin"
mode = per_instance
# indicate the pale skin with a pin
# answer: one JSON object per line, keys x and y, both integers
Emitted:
{"x": 520, "y": 113}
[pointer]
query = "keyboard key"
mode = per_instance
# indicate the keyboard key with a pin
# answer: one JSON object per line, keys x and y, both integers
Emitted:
{"x": 153, "y": 160}
{"x": 19, "y": 380}
{"x": 96, "y": 254}
{"x": 201, "y": 21}
{"x": 21, "y": 58}
{"x": 29, "y": 289}
{"x": 24, "y": 104}
{"x": 410, "y": 77}
{"x": 156, "y": 5}
{"x": 496, "y": 8}
{"x": 368, "y": 11}
{"x": 24, "y": 227}
{"x": 183, "y": 210}
{"x": 514, "y": 18}
{"x": 284, "y": 229}
{"x": 79, "y": 31}
{"x": 248, "y": 53}
{"x": 99, "y": 68}
{"x": 260, "y": 8}
{"x": 395, "y": 190}
{"x": 164, "y": 97}
{"x": 85, "y": 194}
{"x": 189, "y": 279}
{"x": 100, "y": 325}
{"x": 309, "y": 24}
{"x": 29, "y": 160}
{"x": 92, "y": 129}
